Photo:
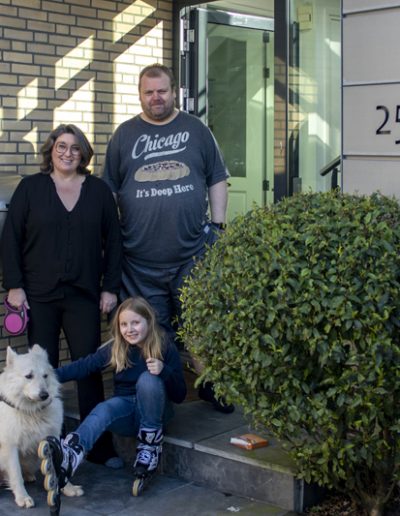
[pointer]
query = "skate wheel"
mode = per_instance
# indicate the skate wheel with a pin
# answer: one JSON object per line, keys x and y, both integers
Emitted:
{"x": 50, "y": 483}
{"x": 45, "y": 466}
{"x": 52, "y": 498}
{"x": 44, "y": 450}
{"x": 137, "y": 486}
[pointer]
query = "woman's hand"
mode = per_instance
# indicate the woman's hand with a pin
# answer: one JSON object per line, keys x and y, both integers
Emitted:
{"x": 17, "y": 297}
{"x": 108, "y": 301}
{"x": 154, "y": 365}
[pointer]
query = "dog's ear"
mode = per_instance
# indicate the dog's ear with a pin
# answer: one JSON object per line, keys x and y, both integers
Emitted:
{"x": 38, "y": 349}
{"x": 10, "y": 355}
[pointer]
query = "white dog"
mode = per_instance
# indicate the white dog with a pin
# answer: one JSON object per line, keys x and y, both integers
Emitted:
{"x": 30, "y": 410}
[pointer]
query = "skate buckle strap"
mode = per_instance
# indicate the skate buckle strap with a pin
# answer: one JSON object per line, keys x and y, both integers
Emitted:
{"x": 147, "y": 458}
{"x": 150, "y": 437}
{"x": 144, "y": 455}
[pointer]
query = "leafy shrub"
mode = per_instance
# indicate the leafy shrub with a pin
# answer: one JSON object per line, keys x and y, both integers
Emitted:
{"x": 295, "y": 313}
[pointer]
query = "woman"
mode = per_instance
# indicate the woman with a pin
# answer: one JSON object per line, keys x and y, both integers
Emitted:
{"x": 61, "y": 251}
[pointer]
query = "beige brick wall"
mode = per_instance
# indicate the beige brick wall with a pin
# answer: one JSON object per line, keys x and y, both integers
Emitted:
{"x": 73, "y": 61}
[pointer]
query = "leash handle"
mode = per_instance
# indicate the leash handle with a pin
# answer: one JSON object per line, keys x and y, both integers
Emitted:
{"x": 15, "y": 319}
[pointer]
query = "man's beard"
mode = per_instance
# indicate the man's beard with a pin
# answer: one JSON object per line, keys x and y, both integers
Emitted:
{"x": 160, "y": 115}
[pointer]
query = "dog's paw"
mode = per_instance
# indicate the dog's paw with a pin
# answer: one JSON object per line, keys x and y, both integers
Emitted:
{"x": 24, "y": 501}
{"x": 72, "y": 490}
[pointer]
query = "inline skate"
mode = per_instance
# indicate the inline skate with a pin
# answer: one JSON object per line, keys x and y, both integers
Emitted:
{"x": 148, "y": 454}
{"x": 60, "y": 459}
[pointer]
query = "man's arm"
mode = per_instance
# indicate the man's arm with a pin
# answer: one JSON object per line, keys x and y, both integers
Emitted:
{"x": 218, "y": 199}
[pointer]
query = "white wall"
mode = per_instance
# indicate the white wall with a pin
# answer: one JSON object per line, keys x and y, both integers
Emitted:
{"x": 371, "y": 101}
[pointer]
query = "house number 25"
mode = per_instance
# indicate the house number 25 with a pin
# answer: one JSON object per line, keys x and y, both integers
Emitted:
{"x": 386, "y": 116}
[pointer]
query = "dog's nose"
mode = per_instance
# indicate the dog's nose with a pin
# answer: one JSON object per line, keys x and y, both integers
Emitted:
{"x": 44, "y": 395}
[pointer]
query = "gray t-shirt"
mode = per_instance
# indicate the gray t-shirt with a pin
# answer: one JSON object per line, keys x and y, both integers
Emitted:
{"x": 161, "y": 175}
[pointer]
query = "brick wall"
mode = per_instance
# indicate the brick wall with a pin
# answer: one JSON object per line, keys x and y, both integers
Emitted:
{"x": 73, "y": 61}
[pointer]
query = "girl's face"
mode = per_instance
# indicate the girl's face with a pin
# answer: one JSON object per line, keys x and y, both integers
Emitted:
{"x": 133, "y": 327}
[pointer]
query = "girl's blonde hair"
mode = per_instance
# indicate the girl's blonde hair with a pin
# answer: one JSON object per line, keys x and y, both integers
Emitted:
{"x": 152, "y": 345}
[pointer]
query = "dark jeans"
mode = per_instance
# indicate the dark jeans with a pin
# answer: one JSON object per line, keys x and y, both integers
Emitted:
{"x": 160, "y": 287}
{"x": 78, "y": 315}
{"x": 124, "y": 415}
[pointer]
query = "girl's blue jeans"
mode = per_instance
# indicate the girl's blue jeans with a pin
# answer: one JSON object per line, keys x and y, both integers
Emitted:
{"x": 124, "y": 415}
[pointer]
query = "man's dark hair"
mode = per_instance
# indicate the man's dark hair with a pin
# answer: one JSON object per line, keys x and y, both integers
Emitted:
{"x": 156, "y": 70}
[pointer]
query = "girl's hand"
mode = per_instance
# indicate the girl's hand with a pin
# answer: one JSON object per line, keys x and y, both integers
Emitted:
{"x": 154, "y": 365}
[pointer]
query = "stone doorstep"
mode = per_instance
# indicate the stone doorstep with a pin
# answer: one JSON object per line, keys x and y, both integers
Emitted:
{"x": 232, "y": 477}
{"x": 197, "y": 449}
{"x": 237, "y": 472}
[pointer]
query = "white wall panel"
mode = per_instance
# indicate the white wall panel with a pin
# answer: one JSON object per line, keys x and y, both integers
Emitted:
{"x": 361, "y": 5}
{"x": 371, "y": 97}
{"x": 371, "y": 46}
{"x": 365, "y": 176}
{"x": 369, "y": 118}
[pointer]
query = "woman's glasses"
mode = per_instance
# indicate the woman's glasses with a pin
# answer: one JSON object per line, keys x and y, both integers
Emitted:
{"x": 62, "y": 148}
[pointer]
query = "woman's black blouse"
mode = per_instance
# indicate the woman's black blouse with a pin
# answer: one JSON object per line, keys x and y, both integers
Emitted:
{"x": 45, "y": 246}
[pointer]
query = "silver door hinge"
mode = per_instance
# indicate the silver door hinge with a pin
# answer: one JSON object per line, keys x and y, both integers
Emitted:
{"x": 189, "y": 102}
{"x": 190, "y": 35}
{"x": 188, "y": 38}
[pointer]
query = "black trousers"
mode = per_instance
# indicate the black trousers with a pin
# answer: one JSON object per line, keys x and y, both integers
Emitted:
{"x": 78, "y": 315}
{"x": 160, "y": 287}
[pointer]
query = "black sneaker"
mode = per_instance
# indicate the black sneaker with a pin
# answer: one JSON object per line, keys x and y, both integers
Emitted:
{"x": 206, "y": 393}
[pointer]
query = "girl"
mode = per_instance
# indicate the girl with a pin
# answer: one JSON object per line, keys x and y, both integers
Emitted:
{"x": 147, "y": 377}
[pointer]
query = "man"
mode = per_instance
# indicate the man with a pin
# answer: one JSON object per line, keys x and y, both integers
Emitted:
{"x": 164, "y": 167}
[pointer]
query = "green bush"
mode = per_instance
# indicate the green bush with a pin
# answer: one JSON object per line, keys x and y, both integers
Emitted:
{"x": 295, "y": 313}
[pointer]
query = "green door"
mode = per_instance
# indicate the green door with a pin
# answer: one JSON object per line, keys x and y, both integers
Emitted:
{"x": 229, "y": 78}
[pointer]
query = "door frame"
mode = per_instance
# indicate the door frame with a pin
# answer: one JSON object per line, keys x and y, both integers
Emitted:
{"x": 198, "y": 64}
{"x": 281, "y": 85}
{"x": 195, "y": 93}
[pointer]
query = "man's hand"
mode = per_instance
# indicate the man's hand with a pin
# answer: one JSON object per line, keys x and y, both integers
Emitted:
{"x": 108, "y": 301}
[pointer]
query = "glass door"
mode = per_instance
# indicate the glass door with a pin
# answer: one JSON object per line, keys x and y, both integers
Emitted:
{"x": 231, "y": 88}
{"x": 315, "y": 82}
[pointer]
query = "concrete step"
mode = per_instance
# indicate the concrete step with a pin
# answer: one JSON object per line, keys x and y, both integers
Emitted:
{"x": 197, "y": 449}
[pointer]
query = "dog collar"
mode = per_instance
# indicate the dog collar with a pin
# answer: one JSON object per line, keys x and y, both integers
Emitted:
{"x": 7, "y": 402}
{"x": 10, "y": 404}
